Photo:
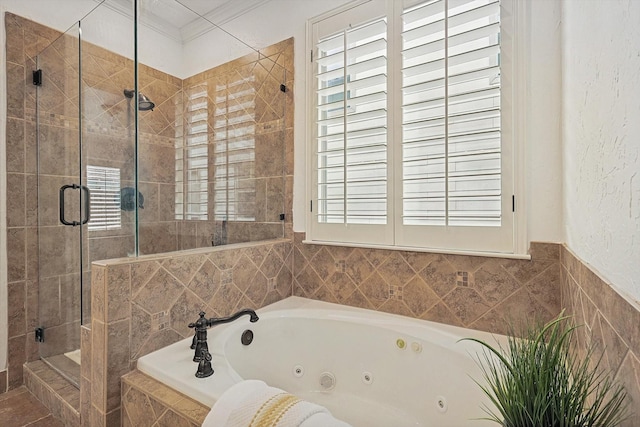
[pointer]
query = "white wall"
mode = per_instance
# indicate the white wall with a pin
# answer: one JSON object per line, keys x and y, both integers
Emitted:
{"x": 601, "y": 136}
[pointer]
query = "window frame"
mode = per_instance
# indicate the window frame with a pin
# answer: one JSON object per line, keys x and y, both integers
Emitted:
{"x": 513, "y": 167}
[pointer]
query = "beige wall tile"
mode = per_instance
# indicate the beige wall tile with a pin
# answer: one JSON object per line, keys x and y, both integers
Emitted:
{"x": 159, "y": 293}
{"x": 16, "y": 315}
{"x": 118, "y": 290}
{"x": 98, "y": 292}
{"x": 16, "y": 254}
{"x": 15, "y": 359}
{"x": 15, "y": 90}
{"x": 15, "y": 145}
{"x": 117, "y": 360}
{"x": 16, "y": 195}
{"x": 98, "y": 366}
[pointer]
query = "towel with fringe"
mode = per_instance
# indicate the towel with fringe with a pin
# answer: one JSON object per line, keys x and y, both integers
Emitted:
{"x": 252, "y": 403}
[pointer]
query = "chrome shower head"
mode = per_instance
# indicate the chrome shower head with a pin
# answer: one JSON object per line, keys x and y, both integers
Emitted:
{"x": 144, "y": 103}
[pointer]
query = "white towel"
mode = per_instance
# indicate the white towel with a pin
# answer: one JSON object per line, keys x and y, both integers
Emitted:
{"x": 252, "y": 403}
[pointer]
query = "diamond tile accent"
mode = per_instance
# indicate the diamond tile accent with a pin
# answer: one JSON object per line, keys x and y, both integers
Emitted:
{"x": 395, "y": 270}
{"x": 381, "y": 276}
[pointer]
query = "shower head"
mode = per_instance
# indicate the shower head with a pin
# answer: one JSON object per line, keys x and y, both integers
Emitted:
{"x": 144, "y": 103}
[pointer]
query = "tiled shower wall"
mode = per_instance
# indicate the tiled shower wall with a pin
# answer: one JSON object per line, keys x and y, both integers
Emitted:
{"x": 611, "y": 324}
{"x": 140, "y": 305}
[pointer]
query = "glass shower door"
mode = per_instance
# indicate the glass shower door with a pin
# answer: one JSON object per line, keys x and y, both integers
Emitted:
{"x": 61, "y": 210}
{"x": 86, "y": 175}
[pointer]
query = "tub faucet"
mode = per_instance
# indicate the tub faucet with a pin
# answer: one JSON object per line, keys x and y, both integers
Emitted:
{"x": 200, "y": 326}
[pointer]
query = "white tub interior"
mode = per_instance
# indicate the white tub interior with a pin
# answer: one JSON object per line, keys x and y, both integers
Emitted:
{"x": 369, "y": 368}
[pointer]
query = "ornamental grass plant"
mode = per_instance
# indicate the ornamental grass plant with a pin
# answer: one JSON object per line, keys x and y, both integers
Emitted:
{"x": 538, "y": 381}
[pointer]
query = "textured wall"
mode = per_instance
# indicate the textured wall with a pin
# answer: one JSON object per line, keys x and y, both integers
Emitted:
{"x": 601, "y": 83}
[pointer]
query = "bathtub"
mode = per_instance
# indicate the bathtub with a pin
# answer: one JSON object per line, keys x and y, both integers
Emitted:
{"x": 370, "y": 369}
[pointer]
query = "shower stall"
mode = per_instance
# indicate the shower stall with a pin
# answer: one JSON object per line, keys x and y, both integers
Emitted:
{"x": 149, "y": 141}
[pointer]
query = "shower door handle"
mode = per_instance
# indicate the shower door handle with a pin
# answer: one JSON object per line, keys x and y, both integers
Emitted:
{"x": 87, "y": 204}
{"x": 62, "y": 218}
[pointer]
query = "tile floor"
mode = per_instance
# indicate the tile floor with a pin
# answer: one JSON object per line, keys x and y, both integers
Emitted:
{"x": 19, "y": 408}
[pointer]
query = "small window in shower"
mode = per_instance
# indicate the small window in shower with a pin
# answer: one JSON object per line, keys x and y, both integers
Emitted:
{"x": 104, "y": 184}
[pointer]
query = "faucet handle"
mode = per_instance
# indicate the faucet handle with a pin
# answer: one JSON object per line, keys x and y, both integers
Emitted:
{"x": 199, "y": 325}
{"x": 202, "y": 321}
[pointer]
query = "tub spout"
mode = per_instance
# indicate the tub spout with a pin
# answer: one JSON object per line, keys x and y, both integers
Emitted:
{"x": 253, "y": 317}
{"x": 200, "y": 326}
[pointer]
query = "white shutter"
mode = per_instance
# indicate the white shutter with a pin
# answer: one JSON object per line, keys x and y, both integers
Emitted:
{"x": 452, "y": 166}
{"x": 350, "y": 137}
{"x": 412, "y": 125}
{"x": 104, "y": 200}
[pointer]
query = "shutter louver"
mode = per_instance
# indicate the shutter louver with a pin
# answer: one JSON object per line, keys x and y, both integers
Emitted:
{"x": 351, "y": 141}
{"x": 451, "y": 114}
{"x": 104, "y": 186}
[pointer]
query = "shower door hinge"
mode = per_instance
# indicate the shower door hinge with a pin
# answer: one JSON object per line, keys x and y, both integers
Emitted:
{"x": 310, "y": 205}
{"x": 281, "y": 217}
{"x": 513, "y": 203}
{"x": 283, "y": 88}
{"x": 39, "y": 334}
{"x": 37, "y": 78}
{"x": 311, "y": 56}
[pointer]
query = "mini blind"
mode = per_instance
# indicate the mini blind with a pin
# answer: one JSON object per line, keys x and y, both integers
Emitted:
{"x": 351, "y": 134}
{"x": 451, "y": 130}
{"x": 104, "y": 186}
{"x": 235, "y": 128}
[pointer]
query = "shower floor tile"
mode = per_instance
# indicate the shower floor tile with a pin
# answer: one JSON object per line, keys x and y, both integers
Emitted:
{"x": 19, "y": 408}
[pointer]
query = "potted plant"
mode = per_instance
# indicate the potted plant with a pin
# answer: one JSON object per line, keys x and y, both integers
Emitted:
{"x": 538, "y": 381}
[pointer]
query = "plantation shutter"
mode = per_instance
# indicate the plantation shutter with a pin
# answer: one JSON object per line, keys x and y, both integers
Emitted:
{"x": 104, "y": 200}
{"x": 412, "y": 126}
{"x": 351, "y": 179}
{"x": 452, "y": 169}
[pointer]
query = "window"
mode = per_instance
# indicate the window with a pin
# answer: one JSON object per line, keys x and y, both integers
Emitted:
{"x": 104, "y": 186}
{"x": 412, "y": 140}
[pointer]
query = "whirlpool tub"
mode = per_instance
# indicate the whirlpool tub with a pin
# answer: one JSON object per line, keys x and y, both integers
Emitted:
{"x": 368, "y": 368}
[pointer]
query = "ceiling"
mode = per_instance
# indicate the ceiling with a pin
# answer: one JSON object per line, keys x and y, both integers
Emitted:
{"x": 185, "y": 20}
